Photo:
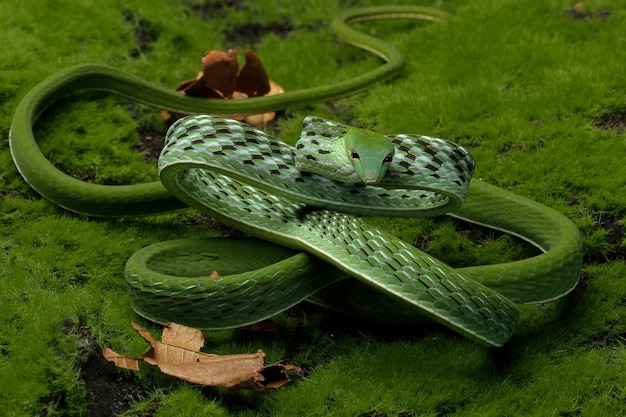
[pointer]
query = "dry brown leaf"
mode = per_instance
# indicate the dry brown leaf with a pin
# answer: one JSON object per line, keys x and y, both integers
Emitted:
{"x": 252, "y": 79}
{"x": 183, "y": 337}
{"x": 178, "y": 354}
{"x": 262, "y": 119}
{"x": 217, "y": 78}
{"x": 119, "y": 360}
{"x": 220, "y": 78}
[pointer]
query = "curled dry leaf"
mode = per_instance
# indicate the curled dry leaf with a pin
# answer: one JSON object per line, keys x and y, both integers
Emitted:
{"x": 178, "y": 354}
{"x": 220, "y": 78}
{"x": 119, "y": 360}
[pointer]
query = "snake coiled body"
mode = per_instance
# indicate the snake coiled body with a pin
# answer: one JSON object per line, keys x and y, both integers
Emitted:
{"x": 314, "y": 243}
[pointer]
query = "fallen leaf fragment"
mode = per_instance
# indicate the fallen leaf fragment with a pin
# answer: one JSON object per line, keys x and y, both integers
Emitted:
{"x": 180, "y": 336}
{"x": 252, "y": 79}
{"x": 119, "y": 360}
{"x": 178, "y": 354}
{"x": 220, "y": 78}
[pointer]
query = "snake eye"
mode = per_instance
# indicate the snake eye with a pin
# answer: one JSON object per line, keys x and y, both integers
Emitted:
{"x": 354, "y": 155}
{"x": 387, "y": 159}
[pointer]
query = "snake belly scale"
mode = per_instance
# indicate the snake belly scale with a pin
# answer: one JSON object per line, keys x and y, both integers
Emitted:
{"x": 310, "y": 241}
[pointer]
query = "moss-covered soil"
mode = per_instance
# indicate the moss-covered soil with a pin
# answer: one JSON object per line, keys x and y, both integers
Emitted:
{"x": 534, "y": 89}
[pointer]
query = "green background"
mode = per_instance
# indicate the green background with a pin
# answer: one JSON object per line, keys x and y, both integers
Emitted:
{"x": 534, "y": 89}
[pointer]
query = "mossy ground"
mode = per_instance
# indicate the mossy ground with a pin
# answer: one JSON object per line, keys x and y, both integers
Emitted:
{"x": 536, "y": 91}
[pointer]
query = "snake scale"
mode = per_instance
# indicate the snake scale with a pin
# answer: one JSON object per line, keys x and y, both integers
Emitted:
{"x": 303, "y": 207}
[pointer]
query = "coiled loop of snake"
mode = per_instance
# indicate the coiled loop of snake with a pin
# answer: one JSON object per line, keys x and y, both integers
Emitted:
{"x": 247, "y": 180}
{"x": 477, "y": 302}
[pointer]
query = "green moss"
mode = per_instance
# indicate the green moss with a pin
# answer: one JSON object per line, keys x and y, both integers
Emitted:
{"x": 534, "y": 90}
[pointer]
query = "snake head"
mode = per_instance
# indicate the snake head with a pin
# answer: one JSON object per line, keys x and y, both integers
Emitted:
{"x": 370, "y": 154}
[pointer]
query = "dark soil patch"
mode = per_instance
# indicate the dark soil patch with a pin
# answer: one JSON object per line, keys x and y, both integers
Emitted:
{"x": 151, "y": 143}
{"x": 215, "y": 9}
{"x": 111, "y": 390}
{"x": 578, "y": 12}
{"x": 583, "y": 281}
{"x": 507, "y": 147}
{"x": 615, "y": 120}
{"x": 146, "y": 33}
{"x": 251, "y": 33}
{"x": 240, "y": 35}
{"x": 608, "y": 338}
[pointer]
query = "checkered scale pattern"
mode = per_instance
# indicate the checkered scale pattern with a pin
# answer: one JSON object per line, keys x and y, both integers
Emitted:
{"x": 245, "y": 179}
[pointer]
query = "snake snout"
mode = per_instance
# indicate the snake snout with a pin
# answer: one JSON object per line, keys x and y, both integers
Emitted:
{"x": 373, "y": 176}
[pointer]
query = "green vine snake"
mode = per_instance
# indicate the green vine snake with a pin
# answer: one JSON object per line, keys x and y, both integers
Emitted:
{"x": 303, "y": 205}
